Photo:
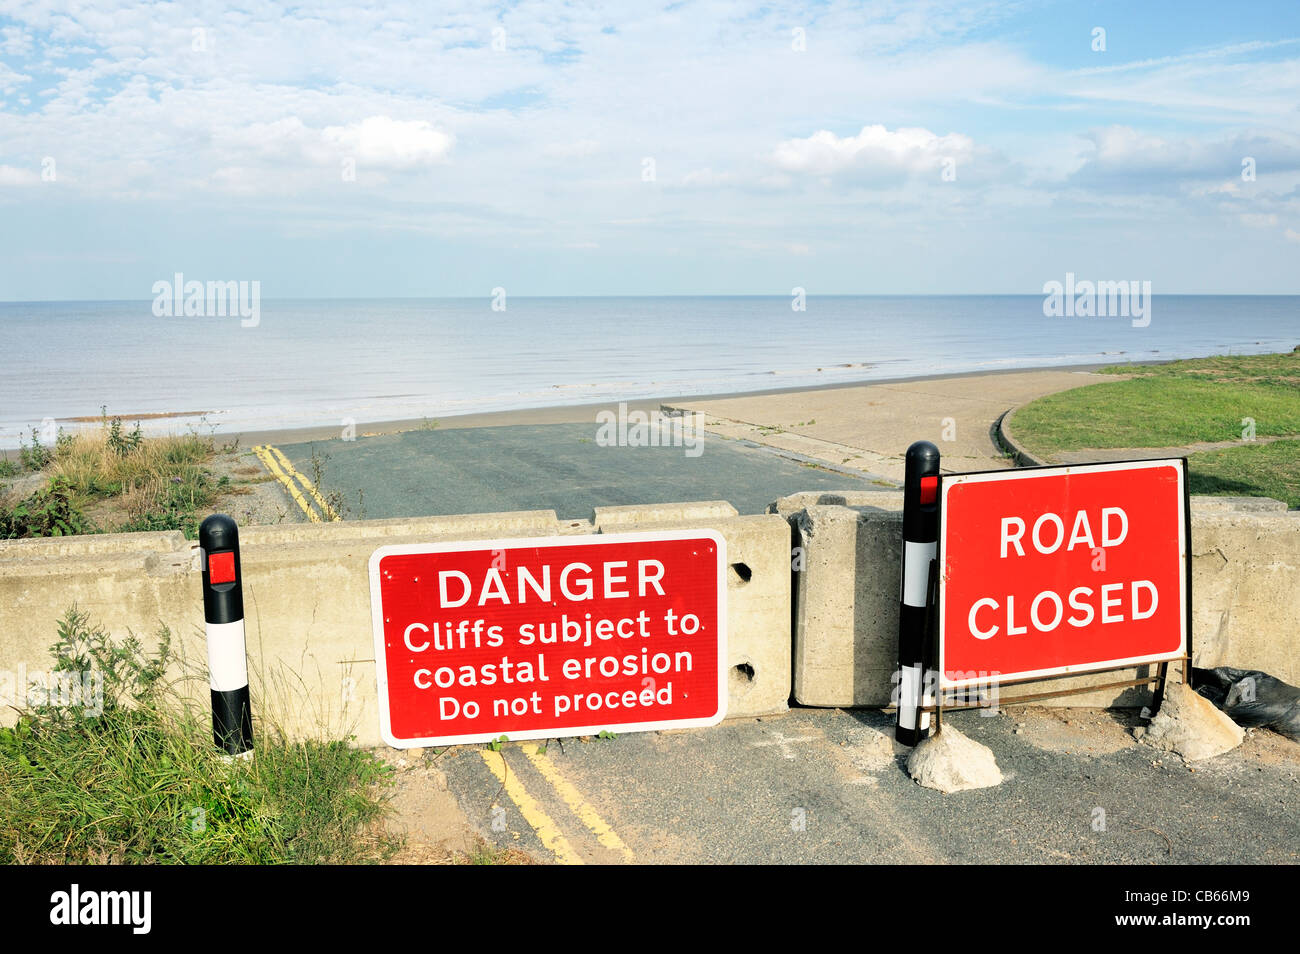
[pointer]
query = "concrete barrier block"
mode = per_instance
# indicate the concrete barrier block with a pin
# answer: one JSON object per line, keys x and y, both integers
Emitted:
{"x": 846, "y": 605}
{"x": 1246, "y": 590}
{"x": 758, "y": 615}
{"x": 310, "y": 644}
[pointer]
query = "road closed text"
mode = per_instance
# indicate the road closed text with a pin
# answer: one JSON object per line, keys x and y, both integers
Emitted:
{"x": 1082, "y": 606}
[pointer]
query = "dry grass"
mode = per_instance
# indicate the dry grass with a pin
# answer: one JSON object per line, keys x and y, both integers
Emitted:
{"x": 138, "y": 483}
{"x": 102, "y": 462}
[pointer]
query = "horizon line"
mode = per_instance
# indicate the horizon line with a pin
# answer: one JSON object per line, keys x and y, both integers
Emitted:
{"x": 489, "y": 296}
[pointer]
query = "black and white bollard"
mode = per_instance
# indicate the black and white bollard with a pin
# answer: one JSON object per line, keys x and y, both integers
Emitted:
{"x": 223, "y": 611}
{"x": 920, "y": 541}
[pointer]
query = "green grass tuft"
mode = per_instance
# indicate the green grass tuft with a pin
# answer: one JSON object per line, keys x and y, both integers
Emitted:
{"x": 129, "y": 774}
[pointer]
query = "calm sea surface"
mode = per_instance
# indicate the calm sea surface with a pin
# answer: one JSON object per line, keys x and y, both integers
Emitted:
{"x": 320, "y": 362}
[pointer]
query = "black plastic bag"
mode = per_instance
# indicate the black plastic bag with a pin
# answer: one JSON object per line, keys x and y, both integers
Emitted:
{"x": 1252, "y": 698}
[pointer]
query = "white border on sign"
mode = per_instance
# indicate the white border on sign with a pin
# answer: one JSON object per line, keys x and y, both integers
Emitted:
{"x": 381, "y": 661}
{"x": 948, "y": 482}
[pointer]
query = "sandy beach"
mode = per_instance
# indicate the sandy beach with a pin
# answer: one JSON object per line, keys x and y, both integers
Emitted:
{"x": 774, "y": 400}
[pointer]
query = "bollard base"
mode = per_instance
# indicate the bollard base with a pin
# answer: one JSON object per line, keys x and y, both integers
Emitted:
{"x": 232, "y": 720}
{"x": 906, "y": 735}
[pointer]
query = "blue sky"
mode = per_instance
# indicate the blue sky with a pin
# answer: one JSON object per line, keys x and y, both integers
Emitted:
{"x": 446, "y": 149}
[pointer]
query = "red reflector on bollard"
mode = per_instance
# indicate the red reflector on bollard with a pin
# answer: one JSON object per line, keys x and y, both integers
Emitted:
{"x": 221, "y": 567}
{"x": 929, "y": 490}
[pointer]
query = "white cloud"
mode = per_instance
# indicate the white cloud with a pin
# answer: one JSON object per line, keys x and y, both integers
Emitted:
{"x": 875, "y": 150}
{"x": 390, "y": 143}
{"x": 1124, "y": 157}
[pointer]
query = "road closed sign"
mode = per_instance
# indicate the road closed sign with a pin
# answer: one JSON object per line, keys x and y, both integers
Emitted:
{"x": 541, "y": 638}
{"x": 1055, "y": 570}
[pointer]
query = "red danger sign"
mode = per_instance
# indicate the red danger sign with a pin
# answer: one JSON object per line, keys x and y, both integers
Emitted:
{"x": 1057, "y": 570}
{"x": 541, "y": 638}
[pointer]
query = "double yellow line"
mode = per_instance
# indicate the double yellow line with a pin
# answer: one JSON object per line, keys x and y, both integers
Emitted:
{"x": 283, "y": 471}
{"x": 547, "y": 830}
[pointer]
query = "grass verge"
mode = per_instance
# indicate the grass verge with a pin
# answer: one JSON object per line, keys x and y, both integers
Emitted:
{"x": 116, "y": 768}
{"x": 1204, "y": 400}
{"x": 116, "y": 480}
{"x": 1235, "y": 399}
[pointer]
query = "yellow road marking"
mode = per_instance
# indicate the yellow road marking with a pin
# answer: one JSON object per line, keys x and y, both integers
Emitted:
{"x": 307, "y": 485}
{"x": 264, "y": 455}
{"x": 579, "y": 805}
{"x": 541, "y": 823}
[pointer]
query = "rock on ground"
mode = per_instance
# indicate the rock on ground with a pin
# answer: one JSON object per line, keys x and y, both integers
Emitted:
{"x": 1189, "y": 725}
{"x": 950, "y": 762}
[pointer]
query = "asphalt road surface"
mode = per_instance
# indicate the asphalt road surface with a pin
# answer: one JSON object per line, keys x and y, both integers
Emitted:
{"x": 830, "y": 786}
{"x": 556, "y": 467}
